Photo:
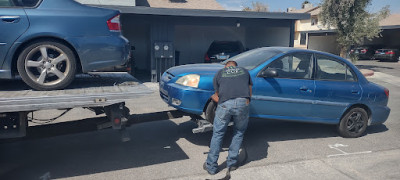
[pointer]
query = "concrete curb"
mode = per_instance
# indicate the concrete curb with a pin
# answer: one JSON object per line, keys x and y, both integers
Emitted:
{"x": 367, "y": 72}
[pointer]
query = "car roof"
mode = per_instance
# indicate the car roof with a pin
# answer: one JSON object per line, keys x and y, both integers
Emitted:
{"x": 292, "y": 49}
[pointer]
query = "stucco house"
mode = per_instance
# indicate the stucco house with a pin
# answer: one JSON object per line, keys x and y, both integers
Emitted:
{"x": 311, "y": 34}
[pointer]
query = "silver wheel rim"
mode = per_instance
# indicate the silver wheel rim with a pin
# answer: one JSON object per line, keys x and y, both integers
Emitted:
{"x": 47, "y": 65}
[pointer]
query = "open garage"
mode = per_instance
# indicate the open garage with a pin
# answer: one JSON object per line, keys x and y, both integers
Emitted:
{"x": 189, "y": 33}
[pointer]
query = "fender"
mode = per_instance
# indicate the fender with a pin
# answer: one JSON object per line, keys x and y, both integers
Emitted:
{"x": 25, "y": 38}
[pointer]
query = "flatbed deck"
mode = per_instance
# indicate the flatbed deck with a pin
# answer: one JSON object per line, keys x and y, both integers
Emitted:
{"x": 87, "y": 90}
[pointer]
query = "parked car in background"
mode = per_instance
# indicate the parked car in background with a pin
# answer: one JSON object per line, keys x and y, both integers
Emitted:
{"x": 288, "y": 84}
{"x": 364, "y": 52}
{"x": 387, "y": 54}
{"x": 222, "y": 50}
{"x": 47, "y": 42}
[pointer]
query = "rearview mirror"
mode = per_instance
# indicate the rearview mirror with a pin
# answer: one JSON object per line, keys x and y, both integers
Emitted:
{"x": 269, "y": 73}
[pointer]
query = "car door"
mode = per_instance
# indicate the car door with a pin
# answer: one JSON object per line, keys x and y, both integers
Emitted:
{"x": 13, "y": 23}
{"x": 336, "y": 87}
{"x": 290, "y": 94}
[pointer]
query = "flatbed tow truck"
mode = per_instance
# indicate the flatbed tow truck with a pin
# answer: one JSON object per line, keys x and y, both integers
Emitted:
{"x": 100, "y": 92}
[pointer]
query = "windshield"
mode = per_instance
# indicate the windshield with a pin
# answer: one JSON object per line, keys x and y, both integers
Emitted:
{"x": 253, "y": 58}
{"x": 226, "y": 47}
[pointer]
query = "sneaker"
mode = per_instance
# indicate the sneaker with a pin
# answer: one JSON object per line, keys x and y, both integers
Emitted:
{"x": 205, "y": 168}
{"x": 232, "y": 168}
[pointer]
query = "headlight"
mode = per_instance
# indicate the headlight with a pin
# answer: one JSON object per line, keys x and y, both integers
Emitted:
{"x": 191, "y": 80}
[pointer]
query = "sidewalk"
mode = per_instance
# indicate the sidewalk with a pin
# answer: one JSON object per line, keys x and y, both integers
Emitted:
{"x": 375, "y": 165}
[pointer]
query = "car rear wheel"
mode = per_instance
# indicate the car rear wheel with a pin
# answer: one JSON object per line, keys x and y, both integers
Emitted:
{"x": 210, "y": 111}
{"x": 47, "y": 65}
{"x": 354, "y": 123}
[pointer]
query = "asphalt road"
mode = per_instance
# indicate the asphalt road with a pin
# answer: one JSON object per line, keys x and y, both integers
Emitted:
{"x": 166, "y": 149}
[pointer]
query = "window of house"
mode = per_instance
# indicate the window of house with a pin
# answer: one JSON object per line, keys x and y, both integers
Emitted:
{"x": 331, "y": 69}
{"x": 293, "y": 66}
{"x": 314, "y": 21}
{"x": 303, "y": 37}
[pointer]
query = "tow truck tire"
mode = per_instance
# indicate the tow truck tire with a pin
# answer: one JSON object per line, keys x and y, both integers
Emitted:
{"x": 354, "y": 123}
{"x": 210, "y": 111}
{"x": 47, "y": 65}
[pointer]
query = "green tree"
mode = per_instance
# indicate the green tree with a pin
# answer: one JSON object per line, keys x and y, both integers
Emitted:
{"x": 257, "y": 6}
{"x": 352, "y": 21}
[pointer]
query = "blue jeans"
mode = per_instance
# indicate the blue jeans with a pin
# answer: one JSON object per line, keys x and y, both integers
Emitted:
{"x": 236, "y": 110}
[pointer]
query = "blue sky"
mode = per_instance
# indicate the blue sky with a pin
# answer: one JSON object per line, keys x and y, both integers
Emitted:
{"x": 282, "y": 5}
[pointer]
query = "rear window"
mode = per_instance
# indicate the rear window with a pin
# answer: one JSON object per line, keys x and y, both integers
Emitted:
{"x": 226, "y": 47}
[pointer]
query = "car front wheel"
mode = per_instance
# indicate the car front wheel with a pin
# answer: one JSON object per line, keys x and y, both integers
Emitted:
{"x": 47, "y": 65}
{"x": 210, "y": 111}
{"x": 354, "y": 123}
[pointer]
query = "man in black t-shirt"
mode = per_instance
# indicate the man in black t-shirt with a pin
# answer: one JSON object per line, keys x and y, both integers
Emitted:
{"x": 232, "y": 86}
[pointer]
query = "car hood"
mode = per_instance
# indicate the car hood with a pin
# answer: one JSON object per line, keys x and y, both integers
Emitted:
{"x": 200, "y": 69}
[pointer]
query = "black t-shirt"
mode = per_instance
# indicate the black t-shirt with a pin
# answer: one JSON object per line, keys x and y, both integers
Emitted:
{"x": 232, "y": 82}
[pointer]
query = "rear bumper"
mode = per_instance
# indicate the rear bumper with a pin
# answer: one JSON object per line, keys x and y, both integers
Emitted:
{"x": 192, "y": 100}
{"x": 385, "y": 57}
{"x": 101, "y": 52}
{"x": 379, "y": 115}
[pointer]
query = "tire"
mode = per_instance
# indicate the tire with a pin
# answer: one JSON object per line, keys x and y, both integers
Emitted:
{"x": 354, "y": 123}
{"x": 54, "y": 70}
{"x": 210, "y": 111}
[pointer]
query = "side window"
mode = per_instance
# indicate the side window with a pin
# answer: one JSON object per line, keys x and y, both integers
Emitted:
{"x": 21, "y": 3}
{"x": 330, "y": 69}
{"x": 5, "y": 3}
{"x": 293, "y": 66}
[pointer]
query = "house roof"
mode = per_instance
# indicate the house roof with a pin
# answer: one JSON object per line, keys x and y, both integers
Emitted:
{"x": 208, "y": 13}
{"x": 181, "y": 4}
{"x": 391, "y": 20}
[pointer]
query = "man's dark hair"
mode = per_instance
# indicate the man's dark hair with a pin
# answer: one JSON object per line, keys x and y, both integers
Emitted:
{"x": 234, "y": 62}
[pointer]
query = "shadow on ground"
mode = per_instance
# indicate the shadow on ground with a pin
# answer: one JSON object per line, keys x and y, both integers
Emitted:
{"x": 76, "y": 148}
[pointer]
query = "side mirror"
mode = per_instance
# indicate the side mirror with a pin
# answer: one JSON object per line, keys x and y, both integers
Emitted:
{"x": 269, "y": 73}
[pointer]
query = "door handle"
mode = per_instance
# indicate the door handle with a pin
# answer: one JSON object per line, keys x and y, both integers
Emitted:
{"x": 10, "y": 19}
{"x": 355, "y": 92}
{"x": 304, "y": 88}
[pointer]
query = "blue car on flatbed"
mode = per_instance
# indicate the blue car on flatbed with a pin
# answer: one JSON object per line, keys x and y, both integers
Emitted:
{"x": 47, "y": 42}
{"x": 289, "y": 84}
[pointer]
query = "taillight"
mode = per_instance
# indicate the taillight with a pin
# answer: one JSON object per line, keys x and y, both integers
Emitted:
{"x": 387, "y": 92}
{"x": 206, "y": 58}
{"x": 376, "y": 52}
{"x": 363, "y": 50}
{"x": 352, "y": 50}
{"x": 114, "y": 23}
{"x": 389, "y": 52}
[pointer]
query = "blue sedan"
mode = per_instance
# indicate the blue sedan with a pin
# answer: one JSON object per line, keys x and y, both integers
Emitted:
{"x": 289, "y": 84}
{"x": 47, "y": 42}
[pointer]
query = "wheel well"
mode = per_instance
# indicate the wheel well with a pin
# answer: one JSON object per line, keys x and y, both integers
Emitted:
{"x": 366, "y": 108}
{"x": 23, "y": 45}
{"x": 205, "y": 107}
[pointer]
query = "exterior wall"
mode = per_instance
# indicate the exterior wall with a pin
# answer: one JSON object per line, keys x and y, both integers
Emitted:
{"x": 324, "y": 43}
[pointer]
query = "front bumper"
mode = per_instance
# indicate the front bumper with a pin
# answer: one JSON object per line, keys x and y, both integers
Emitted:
{"x": 186, "y": 99}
